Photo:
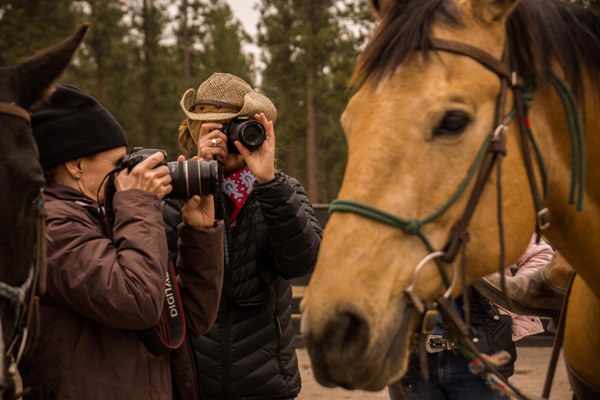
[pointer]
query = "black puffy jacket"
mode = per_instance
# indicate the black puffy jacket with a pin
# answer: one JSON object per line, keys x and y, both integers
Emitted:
{"x": 249, "y": 353}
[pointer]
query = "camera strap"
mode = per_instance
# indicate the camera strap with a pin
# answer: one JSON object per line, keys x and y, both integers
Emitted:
{"x": 170, "y": 331}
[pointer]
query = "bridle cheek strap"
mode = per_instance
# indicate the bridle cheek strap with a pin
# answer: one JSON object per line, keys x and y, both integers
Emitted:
{"x": 15, "y": 111}
{"x": 25, "y": 298}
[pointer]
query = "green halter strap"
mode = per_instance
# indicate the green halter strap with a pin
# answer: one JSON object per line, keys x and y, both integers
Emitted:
{"x": 577, "y": 137}
{"x": 413, "y": 226}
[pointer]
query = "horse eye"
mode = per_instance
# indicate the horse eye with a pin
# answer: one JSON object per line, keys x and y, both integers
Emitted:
{"x": 33, "y": 197}
{"x": 453, "y": 123}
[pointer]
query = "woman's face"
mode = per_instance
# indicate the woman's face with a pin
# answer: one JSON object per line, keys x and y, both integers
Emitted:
{"x": 233, "y": 162}
{"x": 95, "y": 167}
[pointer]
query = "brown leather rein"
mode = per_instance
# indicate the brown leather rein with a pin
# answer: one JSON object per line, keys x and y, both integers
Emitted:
{"x": 497, "y": 150}
{"x": 459, "y": 235}
{"x": 24, "y": 297}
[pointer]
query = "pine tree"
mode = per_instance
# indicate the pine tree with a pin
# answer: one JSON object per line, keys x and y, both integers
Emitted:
{"x": 139, "y": 57}
{"x": 222, "y": 44}
{"x": 309, "y": 49}
{"x": 27, "y": 26}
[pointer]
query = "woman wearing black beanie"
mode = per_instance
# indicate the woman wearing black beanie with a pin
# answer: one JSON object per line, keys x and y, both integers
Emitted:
{"x": 106, "y": 284}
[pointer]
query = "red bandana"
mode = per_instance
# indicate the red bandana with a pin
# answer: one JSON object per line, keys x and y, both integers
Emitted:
{"x": 238, "y": 187}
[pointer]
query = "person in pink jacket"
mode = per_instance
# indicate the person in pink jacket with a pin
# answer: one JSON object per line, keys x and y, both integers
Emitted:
{"x": 536, "y": 257}
{"x": 539, "y": 286}
{"x": 494, "y": 329}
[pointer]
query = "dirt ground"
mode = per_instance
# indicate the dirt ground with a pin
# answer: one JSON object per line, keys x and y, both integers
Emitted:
{"x": 530, "y": 374}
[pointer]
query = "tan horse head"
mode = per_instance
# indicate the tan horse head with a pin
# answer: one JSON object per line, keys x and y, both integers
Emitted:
{"x": 414, "y": 128}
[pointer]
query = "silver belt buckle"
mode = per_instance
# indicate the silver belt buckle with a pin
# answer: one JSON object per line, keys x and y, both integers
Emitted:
{"x": 437, "y": 343}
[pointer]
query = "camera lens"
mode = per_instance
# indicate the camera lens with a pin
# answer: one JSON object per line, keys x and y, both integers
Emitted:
{"x": 252, "y": 134}
{"x": 193, "y": 177}
{"x": 249, "y": 132}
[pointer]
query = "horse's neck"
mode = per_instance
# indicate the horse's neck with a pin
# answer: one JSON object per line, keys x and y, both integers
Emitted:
{"x": 576, "y": 234}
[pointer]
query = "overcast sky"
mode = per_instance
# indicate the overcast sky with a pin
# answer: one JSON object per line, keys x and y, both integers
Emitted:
{"x": 245, "y": 12}
{"x": 248, "y": 16}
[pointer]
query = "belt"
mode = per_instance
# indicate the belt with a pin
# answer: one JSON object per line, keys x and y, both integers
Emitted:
{"x": 437, "y": 343}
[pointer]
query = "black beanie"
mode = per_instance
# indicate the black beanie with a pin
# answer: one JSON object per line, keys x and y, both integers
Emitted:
{"x": 71, "y": 125}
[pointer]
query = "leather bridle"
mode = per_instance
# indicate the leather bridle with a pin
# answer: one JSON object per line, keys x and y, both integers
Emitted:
{"x": 491, "y": 155}
{"x": 24, "y": 298}
{"x": 15, "y": 111}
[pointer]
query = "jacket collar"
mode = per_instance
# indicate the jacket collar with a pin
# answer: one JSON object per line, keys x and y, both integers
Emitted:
{"x": 62, "y": 192}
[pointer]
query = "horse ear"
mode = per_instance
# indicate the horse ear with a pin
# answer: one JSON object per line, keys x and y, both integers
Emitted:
{"x": 35, "y": 76}
{"x": 493, "y": 10}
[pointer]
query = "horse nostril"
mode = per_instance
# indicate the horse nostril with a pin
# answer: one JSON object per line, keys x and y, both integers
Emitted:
{"x": 348, "y": 335}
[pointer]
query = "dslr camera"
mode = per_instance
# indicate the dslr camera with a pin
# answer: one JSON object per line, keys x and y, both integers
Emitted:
{"x": 248, "y": 131}
{"x": 188, "y": 177}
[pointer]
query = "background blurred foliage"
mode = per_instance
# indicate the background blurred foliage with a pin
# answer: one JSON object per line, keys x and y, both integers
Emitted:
{"x": 139, "y": 57}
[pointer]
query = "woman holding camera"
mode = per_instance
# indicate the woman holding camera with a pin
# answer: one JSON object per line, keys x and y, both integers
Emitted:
{"x": 107, "y": 283}
{"x": 272, "y": 236}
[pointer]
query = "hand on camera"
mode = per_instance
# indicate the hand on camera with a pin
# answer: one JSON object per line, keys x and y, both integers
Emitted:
{"x": 262, "y": 160}
{"x": 212, "y": 142}
{"x": 198, "y": 211}
{"x": 144, "y": 176}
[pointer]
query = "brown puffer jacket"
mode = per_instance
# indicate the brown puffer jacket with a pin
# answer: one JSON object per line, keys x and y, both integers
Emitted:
{"x": 100, "y": 292}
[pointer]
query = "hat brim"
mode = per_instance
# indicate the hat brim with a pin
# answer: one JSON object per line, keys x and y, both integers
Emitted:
{"x": 254, "y": 103}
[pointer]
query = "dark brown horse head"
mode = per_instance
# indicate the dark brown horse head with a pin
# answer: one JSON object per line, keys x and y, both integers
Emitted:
{"x": 21, "y": 182}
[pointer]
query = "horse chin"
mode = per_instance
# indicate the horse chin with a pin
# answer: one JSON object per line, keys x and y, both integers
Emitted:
{"x": 384, "y": 363}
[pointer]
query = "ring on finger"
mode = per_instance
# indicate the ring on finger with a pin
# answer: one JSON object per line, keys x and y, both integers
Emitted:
{"x": 213, "y": 142}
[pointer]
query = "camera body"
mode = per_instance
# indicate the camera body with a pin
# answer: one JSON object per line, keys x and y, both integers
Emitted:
{"x": 137, "y": 155}
{"x": 188, "y": 178}
{"x": 248, "y": 131}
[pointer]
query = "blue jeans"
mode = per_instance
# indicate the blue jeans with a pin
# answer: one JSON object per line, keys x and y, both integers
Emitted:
{"x": 449, "y": 379}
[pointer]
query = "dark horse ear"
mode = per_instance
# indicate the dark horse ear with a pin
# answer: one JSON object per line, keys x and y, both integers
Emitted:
{"x": 44, "y": 68}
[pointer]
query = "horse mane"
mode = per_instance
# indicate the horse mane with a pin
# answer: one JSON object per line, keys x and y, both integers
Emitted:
{"x": 542, "y": 34}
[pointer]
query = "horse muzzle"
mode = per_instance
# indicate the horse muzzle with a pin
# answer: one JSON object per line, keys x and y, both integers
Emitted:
{"x": 353, "y": 351}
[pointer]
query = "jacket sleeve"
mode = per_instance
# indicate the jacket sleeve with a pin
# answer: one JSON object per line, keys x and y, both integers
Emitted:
{"x": 294, "y": 231}
{"x": 200, "y": 271}
{"x": 536, "y": 256}
{"x": 119, "y": 283}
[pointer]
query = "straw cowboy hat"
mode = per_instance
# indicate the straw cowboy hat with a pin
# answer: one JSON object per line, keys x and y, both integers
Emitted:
{"x": 226, "y": 90}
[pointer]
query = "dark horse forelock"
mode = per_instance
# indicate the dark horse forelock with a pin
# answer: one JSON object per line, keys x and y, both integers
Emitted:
{"x": 542, "y": 32}
{"x": 405, "y": 26}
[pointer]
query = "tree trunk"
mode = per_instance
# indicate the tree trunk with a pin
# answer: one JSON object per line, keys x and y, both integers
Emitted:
{"x": 291, "y": 162}
{"x": 185, "y": 45}
{"x": 311, "y": 134}
{"x": 98, "y": 54}
{"x": 149, "y": 135}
